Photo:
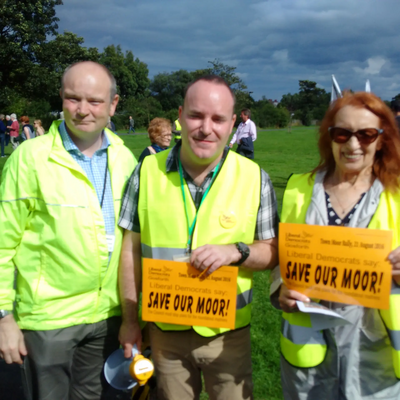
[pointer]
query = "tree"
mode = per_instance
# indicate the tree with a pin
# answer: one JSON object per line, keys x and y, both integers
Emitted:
{"x": 168, "y": 88}
{"x": 24, "y": 27}
{"x": 290, "y": 101}
{"x": 228, "y": 73}
{"x": 265, "y": 114}
{"x": 310, "y": 103}
{"x": 131, "y": 74}
{"x": 44, "y": 78}
{"x": 397, "y": 97}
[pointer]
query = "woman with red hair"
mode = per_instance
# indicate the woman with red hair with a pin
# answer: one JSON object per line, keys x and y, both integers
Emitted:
{"x": 356, "y": 184}
{"x": 27, "y": 128}
{"x": 160, "y": 135}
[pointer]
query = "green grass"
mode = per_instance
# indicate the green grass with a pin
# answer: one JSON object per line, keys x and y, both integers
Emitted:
{"x": 279, "y": 153}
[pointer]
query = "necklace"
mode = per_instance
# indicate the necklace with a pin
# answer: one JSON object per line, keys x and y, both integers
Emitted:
{"x": 347, "y": 207}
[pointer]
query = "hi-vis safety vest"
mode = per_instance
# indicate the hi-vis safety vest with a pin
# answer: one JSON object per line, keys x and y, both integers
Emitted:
{"x": 301, "y": 345}
{"x": 178, "y": 127}
{"x": 227, "y": 215}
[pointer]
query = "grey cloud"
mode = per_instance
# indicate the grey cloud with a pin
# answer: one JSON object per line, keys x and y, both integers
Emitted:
{"x": 273, "y": 43}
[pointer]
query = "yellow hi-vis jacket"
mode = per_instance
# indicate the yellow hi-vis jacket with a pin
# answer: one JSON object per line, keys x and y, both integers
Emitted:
{"x": 52, "y": 230}
{"x": 302, "y": 346}
{"x": 178, "y": 127}
{"x": 235, "y": 192}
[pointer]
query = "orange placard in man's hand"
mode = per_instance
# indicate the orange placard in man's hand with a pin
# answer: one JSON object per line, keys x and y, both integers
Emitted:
{"x": 341, "y": 264}
{"x": 174, "y": 293}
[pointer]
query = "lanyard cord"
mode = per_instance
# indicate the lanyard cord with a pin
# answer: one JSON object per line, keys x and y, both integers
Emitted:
{"x": 191, "y": 226}
{"x": 105, "y": 184}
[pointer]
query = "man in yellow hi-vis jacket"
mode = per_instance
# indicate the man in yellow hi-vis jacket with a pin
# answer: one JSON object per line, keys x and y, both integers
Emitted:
{"x": 59, "y": 204}
{"x": 202, "y": 178}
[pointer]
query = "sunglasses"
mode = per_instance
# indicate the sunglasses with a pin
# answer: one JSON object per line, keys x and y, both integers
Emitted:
{"x": 364, "y": 136}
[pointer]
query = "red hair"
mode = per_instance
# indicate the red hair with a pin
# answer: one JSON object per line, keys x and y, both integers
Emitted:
{"x": 156, "y": 128}
{"x": 386, "y": 166}
{"x": 25, "y": 119}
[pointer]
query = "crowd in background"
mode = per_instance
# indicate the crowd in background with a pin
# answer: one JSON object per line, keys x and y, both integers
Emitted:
{"x": 10, "y": 130}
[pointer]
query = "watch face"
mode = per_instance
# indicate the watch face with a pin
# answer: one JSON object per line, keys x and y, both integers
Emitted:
{"x": 243, "y": 248}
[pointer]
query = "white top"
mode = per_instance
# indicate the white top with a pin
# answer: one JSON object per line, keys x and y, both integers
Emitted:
{"x": 244, "y": 130}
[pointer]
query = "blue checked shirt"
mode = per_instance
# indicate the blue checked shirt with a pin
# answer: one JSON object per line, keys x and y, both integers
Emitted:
{"x": 94, "y": 169}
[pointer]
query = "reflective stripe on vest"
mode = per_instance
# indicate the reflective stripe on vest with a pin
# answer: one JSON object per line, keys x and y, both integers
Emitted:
{"x": 296, "y": 200}
{"x": 235, "y": 193}
{"x": 301, "y": 344}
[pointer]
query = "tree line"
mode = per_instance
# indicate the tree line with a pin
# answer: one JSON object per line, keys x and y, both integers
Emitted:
{"x": 33, "y": 56}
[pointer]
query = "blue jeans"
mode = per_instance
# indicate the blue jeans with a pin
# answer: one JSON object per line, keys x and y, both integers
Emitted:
{"x": 131, "y": 128}
{"x": 2, "y": 142}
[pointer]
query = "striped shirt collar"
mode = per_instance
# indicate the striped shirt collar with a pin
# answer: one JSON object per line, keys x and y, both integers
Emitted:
{"x": 71, "y": 146}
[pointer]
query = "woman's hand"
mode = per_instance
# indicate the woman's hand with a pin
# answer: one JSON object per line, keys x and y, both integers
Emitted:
{"x": 394, "y": 258}
{"x": 288, "y": 298}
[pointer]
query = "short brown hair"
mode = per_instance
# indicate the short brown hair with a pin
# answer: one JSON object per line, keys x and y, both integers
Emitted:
{"x": 25, "y": 119}
{"x": 246, "y": 111}
{"x": 156, "y": 128}
{"x": 212, "y": 79}
{"x": 113, "y": 82}
{"x": 387, "y": 160}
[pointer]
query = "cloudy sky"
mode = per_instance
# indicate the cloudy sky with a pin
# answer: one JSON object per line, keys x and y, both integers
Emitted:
{"x": 273, "y": 43}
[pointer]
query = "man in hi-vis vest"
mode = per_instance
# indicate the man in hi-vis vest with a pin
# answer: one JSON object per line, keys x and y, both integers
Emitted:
{"x": 202, "y": 179}
{"x": 176, "y": 130}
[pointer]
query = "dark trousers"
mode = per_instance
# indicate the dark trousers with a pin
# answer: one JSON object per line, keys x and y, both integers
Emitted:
{"x": 67, "y": 364}
{"x": 245, "y": 153}
{"x": 246, "y": 148}
{"x": 7, "y": 139}
{"x": 2, "y": 142}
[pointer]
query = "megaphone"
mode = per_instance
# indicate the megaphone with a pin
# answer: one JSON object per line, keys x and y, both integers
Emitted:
{"x": 125, "y": 373}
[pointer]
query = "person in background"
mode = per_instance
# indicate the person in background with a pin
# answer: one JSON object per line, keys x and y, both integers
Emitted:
{"x": 14, "y": 131}
{"x": 355, "y": 185}
{"x": 3, "y": 130}
{"x": 160, "y": 136}
{"x": 8, "y": 126}
{"x": 395, "y": 105}
{"x": 245, "y": 135}
{"x": 39, "y": 130}
{"x": 111, "y": 125}
{"x": 27, "y": 129}
{"x": 131, "y": 124}
{"x": 176, "y": 130}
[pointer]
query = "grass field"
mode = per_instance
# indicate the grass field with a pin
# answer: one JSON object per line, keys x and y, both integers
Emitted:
{"x": 279, "y": 153}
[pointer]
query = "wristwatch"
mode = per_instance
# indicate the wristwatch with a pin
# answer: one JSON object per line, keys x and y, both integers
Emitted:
{"x": 4, "y": 313}
{"x": 244, "y": 250}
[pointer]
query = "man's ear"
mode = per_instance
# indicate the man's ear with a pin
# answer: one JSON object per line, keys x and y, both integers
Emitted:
{"x": 114, "y": 104}
{"x": 233, "y": 121}
{"x": 180, "y": 112}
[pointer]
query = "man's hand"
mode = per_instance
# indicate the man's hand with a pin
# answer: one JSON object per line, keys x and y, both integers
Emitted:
{"x": 230, "y": 145}
{"x": 210, "y": 257}
{"x": 394, "y": 258}
{"x": 287, "y": 299}
{"x": 12, "y": 344}
{"x": 130, "y": 334}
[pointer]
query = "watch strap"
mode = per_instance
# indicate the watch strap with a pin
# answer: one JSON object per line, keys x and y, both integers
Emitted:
{"x": 4, "y": 313}
{"x": 244, "y": 250}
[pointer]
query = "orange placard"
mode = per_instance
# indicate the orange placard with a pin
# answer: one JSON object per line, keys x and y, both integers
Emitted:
{"x": 341, "y": 264}
{"x": 173, "y": 293}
